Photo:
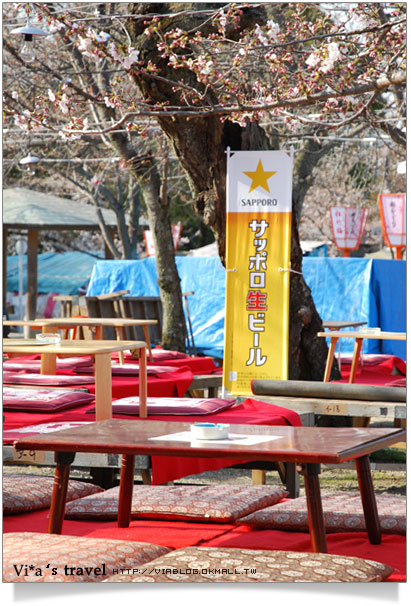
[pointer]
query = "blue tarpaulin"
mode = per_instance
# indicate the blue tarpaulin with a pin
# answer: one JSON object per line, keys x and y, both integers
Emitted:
{"x": 369, "y": 290}
{"x": 64, "y": 273}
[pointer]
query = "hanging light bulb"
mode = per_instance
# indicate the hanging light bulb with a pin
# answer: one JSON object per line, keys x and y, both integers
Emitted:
{"x": 28, "y": 51}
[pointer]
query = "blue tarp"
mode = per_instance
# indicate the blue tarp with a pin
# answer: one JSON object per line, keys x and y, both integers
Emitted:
{"x": 64, "y": 273}
{"x": 370, "y": 290}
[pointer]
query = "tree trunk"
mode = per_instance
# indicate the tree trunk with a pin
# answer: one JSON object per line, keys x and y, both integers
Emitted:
{"x": 200, "y": 145}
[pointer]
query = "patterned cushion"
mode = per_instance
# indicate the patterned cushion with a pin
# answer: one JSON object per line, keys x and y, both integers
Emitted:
{"x": 342, "y": 512}
{"x": 161, "y": 354}
{"x": 61, "y": 559}
{"x": 132, "y": 369}
{"x": 173, "y": 406}
{"x": 207, "y": 503}
{"x": 210, "y": 564}
{"x": 34, "y": 378}
{"x": 30, "y": 492}
{"x": 35, "y": 365}
{"x": 43, "y": 400}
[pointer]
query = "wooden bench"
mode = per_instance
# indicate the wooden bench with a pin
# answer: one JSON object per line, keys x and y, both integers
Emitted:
{"x": 336, "y": 399}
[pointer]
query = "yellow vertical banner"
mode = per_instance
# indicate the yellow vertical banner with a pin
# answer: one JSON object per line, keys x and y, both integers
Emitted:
{"x": 259, "y": 206}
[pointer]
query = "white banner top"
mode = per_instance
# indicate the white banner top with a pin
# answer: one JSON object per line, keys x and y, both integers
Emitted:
{"x": 259, "y": 181}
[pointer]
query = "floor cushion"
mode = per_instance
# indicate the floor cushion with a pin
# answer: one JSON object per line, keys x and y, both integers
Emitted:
{"x": 230, "y": 565}
{"x": 34, "y": 378}
{"x": 207, "y": 503}
{"x": 128, "y": 369}
{"x": 161, "y": 354}
{"x": 35, "y": 365}
{"x": 343, "y": 512}
{"x": 60, "y": 558}
{"x": 23, "y": 492}
{"x": 170, "y": 406}
{"x": 43, "y": 400}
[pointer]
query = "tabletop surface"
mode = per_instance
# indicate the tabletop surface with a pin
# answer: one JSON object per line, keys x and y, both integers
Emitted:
{"x": 286, "y": 443}
{"x": 77, "y": 347}
{"x": 358, "y": 334}
{"x": 336, "y": 324}
{"x": 80, "y": 322}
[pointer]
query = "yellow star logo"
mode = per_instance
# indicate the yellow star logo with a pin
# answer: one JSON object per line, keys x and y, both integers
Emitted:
{"x": 259, "y": 177}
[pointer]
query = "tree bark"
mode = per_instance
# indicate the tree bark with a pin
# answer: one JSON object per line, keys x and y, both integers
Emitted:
{"x": 200, "y": 145}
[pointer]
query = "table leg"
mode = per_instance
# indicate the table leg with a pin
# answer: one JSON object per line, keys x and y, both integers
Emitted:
{"x": 142, "y": 379}
{"x": 126, "y": 491}
{"x": 314, "y": 507}
{"x": 58, "y": 498}
{"x": 48, "y": 364}
{"x": 102, "y": 372}
{"x": 120, "y": 337}
{"x": 330, "y": 358}
{"x": 369, "y": 503}
{"x": 355, "y": 358}
{"x": 147, "y": 340}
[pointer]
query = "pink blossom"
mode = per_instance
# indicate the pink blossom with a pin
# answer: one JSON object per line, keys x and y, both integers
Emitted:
{"x": 15, "y": 95}
{"x": 333, "y": 55}
{"x": 63, "y": 104}
{"x": 131, "y": 59}
{"x": 51, "y": 95}
{"x": 112, "y": 49}
{"x": 108, "y": 102}
{"x": 313, "y": 60}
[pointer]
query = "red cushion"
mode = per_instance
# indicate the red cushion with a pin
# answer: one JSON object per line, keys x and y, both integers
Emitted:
{"x": 129, "y": 369}
{"x": 173, "y": 406}
{"x": 34, "y": 378}
{"x": 43, "y": 399}
{"x": 35, "y": 365}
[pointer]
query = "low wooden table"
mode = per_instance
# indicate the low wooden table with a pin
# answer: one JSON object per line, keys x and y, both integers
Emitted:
{"x": 119, "y": 324}
{"x": 306, "y": 446}
{"x": 101, "y": 350}
{"x": 341, "y": 324}
{"x": 359, "y": 336}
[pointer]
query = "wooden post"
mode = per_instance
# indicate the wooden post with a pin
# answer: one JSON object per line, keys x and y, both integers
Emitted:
{"x": 398, "y": 253}
{"x": 31, "y": 281}
{"x": 5, "y": 233}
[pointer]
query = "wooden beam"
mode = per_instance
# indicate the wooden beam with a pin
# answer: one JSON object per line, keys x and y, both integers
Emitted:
{"x": 5, "y": 234}
{"x": 31, "y": 282}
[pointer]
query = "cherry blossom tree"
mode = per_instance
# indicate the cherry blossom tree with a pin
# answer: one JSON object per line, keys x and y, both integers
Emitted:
{"x": 211, "y": 74}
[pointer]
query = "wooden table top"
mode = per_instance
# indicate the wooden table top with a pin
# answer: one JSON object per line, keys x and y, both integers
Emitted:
{"x": 63, "y": 322}
{"x": 337, "y": 324}
{"x": 69, "y": 346}
{"x": 358, "y": 334}
{"x": 285, "y": 443}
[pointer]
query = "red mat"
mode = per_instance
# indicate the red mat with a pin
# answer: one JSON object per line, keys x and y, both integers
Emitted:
{"x": 375, "y": 370}
{"x": 391, "y": 551}
{"x": 170, "y": 534}
{"x": 175, "y": 535}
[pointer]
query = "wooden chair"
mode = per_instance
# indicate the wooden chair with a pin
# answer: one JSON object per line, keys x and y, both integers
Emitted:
{"x": 66, "y": 311}
{"x": 116, "y": 299}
